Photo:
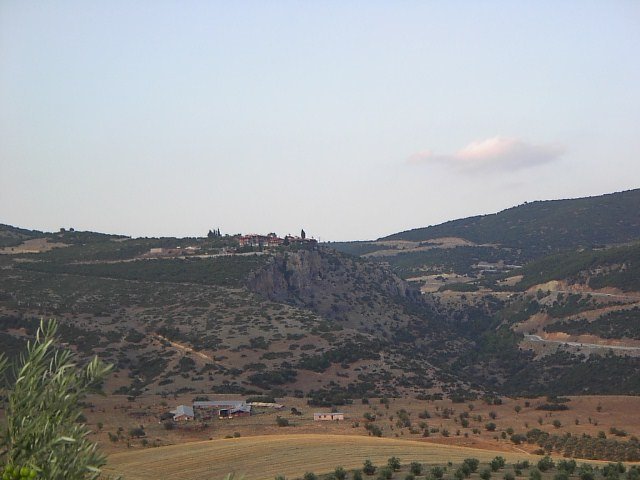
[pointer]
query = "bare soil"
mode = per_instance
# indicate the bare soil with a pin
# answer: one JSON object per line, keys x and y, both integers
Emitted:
{"x": 586, "y": 415}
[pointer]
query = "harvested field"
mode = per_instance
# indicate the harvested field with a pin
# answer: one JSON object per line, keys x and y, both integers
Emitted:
{"x": 34, "y": 245}
{"x": 265, "y": 457}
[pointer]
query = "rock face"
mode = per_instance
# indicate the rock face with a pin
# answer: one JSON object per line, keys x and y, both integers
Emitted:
{"x": 289, "y": 276}
{"x": 332, "y": 284}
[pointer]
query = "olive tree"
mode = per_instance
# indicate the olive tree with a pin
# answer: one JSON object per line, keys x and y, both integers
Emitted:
{"x": 43, "y": 430}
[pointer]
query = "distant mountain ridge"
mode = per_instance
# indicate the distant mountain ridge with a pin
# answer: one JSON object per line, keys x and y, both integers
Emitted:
{"x": 546, "y": 226}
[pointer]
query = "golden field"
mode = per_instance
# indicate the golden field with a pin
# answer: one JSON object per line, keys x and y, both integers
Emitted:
{"x": 264, "y": 457}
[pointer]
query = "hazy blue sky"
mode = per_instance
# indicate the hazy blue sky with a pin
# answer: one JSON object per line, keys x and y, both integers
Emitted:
{"x": 352, "y": 119}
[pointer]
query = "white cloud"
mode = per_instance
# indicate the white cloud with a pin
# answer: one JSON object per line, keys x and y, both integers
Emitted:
{"x": 492, "y": 154}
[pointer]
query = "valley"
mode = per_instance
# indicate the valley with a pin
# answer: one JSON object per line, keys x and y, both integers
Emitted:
{"x": 425, "y": 338}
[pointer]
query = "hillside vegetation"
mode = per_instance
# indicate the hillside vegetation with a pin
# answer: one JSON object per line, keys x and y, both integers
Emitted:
{"x": 294, "y": 320}
{"x": 440, "y": 316}
{"x": 543, "y": 227}
{"x": 615, "y": 267}
{"x": 12, "y": 236}
{"x": 512, "y": 237}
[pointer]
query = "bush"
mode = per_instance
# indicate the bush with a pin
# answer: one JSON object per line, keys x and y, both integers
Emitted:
{"x": 613, "y": 469}
{"x": 509, "y": 476}
{"x": 552, "y": 407}
{"x": 485, "y": 474}
{"x": 186, "y": 364}
{"x": 473, "y": 463}
{"x": 497, "y": 463}
{"x": 535, "y": 474}
{"x": 373, "y": 429}
{"x": 415, "y": 468}
{"x": 309, "y": 476}
{"x": 465, "y": 470}
{"x": 340, "y": 473}
{"x": 261, "y": 399}
{"x": 617, "y": 432}
{"x": 545, "y": 464}
{"x": 168, "y": 425}
{"x": 585, "y": 472}
{"x": 137, "y": 432}
{"x": 394, "y": 464}
{"x": 282, "y": 422}
{"x": 368, "y": 468}
{"x": 587, "y": 475}
{"x": 633, "y": 473}
{"x": 385, "y": 473}
{"x": 437, "y": 472}
{"x": 568, "y": 466}
{"x": 491, "y": 427}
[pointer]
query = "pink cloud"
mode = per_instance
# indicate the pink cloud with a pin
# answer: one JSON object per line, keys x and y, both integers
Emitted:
{"x": 497, "y": 153}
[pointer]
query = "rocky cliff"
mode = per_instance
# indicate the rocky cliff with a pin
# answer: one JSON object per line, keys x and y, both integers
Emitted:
{"x": 335, "y": 285}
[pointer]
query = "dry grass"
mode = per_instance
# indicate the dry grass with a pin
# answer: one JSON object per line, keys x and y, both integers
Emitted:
{"x": 265, "y": 457}
{"x": 35, "y": 245}
{"x": 586, "y": 415}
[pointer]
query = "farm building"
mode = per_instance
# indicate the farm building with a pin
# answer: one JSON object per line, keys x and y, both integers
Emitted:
{"x": 222, "y": 408}
{"x": 328, "y": 416}
{"x": 277, "y": 406}
{"x": 182, "y": 412}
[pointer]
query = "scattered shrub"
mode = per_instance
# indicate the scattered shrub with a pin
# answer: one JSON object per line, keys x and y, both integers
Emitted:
{"x": 340, "y": 473}
{"x": 394, "y": 464}
{"x": 437, "y": 472}
{"x": 282, "y": 422}
{"x": 545, "y": 464}
{"x": 368, "y": 468}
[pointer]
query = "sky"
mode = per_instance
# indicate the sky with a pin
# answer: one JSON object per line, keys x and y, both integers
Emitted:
{"x": 350, "y": 119}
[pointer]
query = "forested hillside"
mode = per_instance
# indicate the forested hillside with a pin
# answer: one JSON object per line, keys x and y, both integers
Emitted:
{"x": 615, "y": 267}
{"x": 543, "y": 227}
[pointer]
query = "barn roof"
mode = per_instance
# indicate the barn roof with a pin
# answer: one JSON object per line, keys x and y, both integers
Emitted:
{"x": 233, "y": 405}
{"x": 183, "y": 410}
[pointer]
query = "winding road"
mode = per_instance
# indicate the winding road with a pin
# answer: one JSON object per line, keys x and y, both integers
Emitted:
{"x": 538, "y": 338}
